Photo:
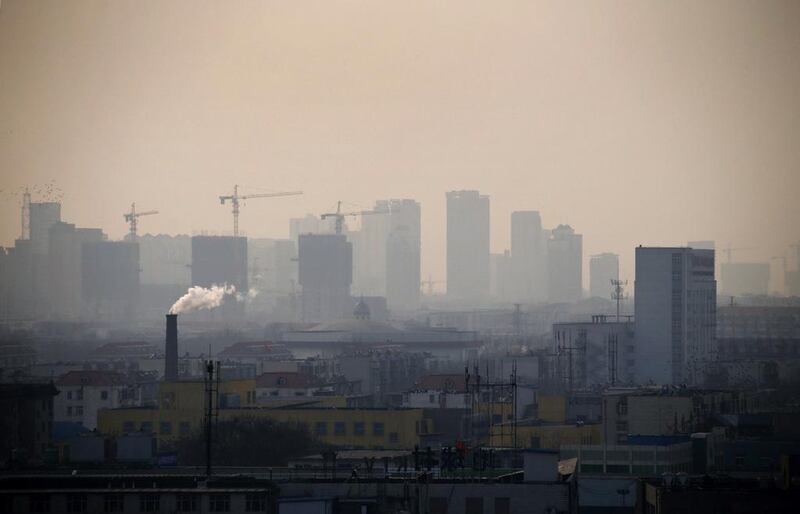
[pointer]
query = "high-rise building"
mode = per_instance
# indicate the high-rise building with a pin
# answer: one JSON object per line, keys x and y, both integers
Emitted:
{"x": 564, "y": 262}
{"x": 467, "y": 246}
{"x": 221, "y": 260}
{"x": 675, "y": 297}
{"x": 110, "y": 280}
{"x": 64, "y": 268}
{"x": 43, "y": 215}
{"x": 325, "y": 276}
{"x": 501, "y": 283}
{"x": 166, "y": 264}
{"x": 603, "y": 268}
{"x": 369, "y": 251}
{"x": 528, "y": 257}
{"x": 403, "y": 255}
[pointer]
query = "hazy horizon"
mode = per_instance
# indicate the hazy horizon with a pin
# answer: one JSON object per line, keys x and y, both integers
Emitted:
{"x": 634, "y": 122}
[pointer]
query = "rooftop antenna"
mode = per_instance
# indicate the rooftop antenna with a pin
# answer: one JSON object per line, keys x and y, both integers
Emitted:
{"x": 618, "y": 292}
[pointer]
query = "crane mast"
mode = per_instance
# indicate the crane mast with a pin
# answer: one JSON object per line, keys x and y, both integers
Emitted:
{"x": 132, "y": 218}
{"x": 339, "y": 216}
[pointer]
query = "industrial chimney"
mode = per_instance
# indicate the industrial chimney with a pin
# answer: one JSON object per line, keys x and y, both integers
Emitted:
{"x": 171, "y": 349}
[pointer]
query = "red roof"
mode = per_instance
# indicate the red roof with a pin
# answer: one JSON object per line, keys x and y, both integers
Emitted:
{"x": 288, "y": 380}
{"x": 448, "y": 382}
{"x": 91, "y": 378}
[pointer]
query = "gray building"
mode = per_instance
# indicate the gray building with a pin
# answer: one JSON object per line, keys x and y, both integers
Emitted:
{"x": 603, "y": 268}
{"x": 218, "y": 260}
{"x": 743, "y": 278}
{"x": 403, "y": 255}
{"x": 325, "y": 276}
{"x": 529, "y": 256}
{"x": 467, "y": 246}
{"x": 110, "y": 280}
{"x": 564, "y": 262}
{"x": 64, "y": 268}
{"x": 43, "y": 215}
{"x": 675, "y": 306}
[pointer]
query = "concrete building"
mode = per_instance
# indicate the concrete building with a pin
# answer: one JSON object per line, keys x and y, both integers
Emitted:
{"x": 166, "y": 264}
{"x": 325, "y": 276}
{"x": 529, "y": 257}
{"x": 283, "y": 385}
{"x": 403, "y": 255}
{"x": 83, "y": 393}
{"x": 744, "y": 278}
{"x": 43, "y": 215}
{"x": 218, "y": 260}
{"x": 675, "y": 306}
{"x": 565, "y": 265}
{"x": 64, "y": 268}
{"x": 501, "y": 280}
{"x": 603, "y": 268}
{"x": 599, "y": 352}
{"x": 27, "y": 422}
{"x": 468, "y": 246}
{"x": 110, "y": 280}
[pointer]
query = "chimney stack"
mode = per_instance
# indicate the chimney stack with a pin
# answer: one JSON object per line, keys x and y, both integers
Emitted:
{"x": 171, "y": 350}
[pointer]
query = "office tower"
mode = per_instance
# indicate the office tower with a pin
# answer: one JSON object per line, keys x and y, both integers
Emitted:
{"x": 743, "y": 278}
{"x": 110, "y": 280}
{"x": 467, "y": 246}
{"x": 43, "y": 215}
{"x": 403, "y": 255}
{"x": 369, "y": 251}
{"x": 166, "y": 264}
{"x": 675, "y": 311}
{"x": 501, "y": 283}
{"x": 603, "y": 268}
{"x": 64, "y": 268}
{"x": 528, "y": 257}
{"x": 564, "y": 260}
{"x": 220, "y": 260}
{"x": 325, "y": 276}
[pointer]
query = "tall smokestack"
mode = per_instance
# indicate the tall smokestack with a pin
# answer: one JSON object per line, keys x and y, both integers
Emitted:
{"x": 171, "y": 349}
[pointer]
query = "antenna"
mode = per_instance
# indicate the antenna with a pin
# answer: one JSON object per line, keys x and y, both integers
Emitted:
{"x": 618, "y": 293}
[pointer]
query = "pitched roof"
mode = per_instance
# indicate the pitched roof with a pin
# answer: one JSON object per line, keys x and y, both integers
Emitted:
{"x": 91, "y": 378}
{"x": 288, "y": 380}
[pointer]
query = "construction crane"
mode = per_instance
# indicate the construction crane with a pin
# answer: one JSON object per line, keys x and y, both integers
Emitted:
{"x": 430, "y": 283}
{"x": 133, "y": 219}
{"x": 235, "y": 198}
{"x": 339, "y": 216}
{"x": 729, "y": 251}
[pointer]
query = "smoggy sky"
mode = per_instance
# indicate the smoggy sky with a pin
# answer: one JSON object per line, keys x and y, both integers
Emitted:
{"x": 635, "y": 122}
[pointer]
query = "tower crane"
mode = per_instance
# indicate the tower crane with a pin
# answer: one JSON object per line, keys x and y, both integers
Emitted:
{"x": 235, "y": 198}
{"x": 133, "y": 219}
{"x": 339, "y": 216}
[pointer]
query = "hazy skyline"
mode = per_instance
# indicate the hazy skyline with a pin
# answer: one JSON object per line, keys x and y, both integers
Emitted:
{"x": 634, "y": 122}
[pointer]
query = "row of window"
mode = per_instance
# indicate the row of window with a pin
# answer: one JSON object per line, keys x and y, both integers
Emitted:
{"x": 359, "y": 428}
{"x": 78, "y": 395}
{"x": 78, "y": 503}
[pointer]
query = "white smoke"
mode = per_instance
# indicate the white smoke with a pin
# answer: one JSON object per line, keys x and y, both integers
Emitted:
{"x": 198, "y": 298}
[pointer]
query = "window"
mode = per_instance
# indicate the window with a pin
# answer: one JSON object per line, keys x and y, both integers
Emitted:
{"x": 79, "y": 394}
{"x": 184, "y": 428}
{"x": 321, "y": 428}
{"x": 393, "y": 437}
{"x": 40, "y": 503}
{"x": 339, "y": 428}
{"x": 79, "y": 410}
{"x": 187, "y": 503}
{"x": 432, "y": 398}
{"x": 165, "y": 428}
{"x": 377, "y": 428}
{"x": 149, "y": 503}
{"x": 502, "y": 506}
{"x": 473, "y": 505}
{"x": 104, "y": 395}
{"x": 69, "y": 411}
{"x": 219, "y": 503}
{"x": 69, "y": 395}
{"x": 255, "y": 503}
{"x": 358, "y": 428}
{"x": 76, "y": 503}
{"x": 113, "y": 503}
{"x": 128, "y": 426}
{"x": 147, "y": 426}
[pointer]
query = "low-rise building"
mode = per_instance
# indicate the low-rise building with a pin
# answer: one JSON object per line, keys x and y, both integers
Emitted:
{"x": 282, "y": 385}
{"x": 85, "y": 392}
{"x": 27, "y": 421}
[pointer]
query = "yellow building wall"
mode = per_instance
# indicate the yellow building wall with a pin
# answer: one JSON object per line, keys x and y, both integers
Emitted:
{"x": 399, "y": 431}
{"x": 552, "y": 408}
{"x": 549, "y": 436}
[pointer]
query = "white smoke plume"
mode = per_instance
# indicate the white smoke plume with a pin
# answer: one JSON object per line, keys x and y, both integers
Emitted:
{"x": 198, "y": 298}
{"x": 251, "y": 294}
